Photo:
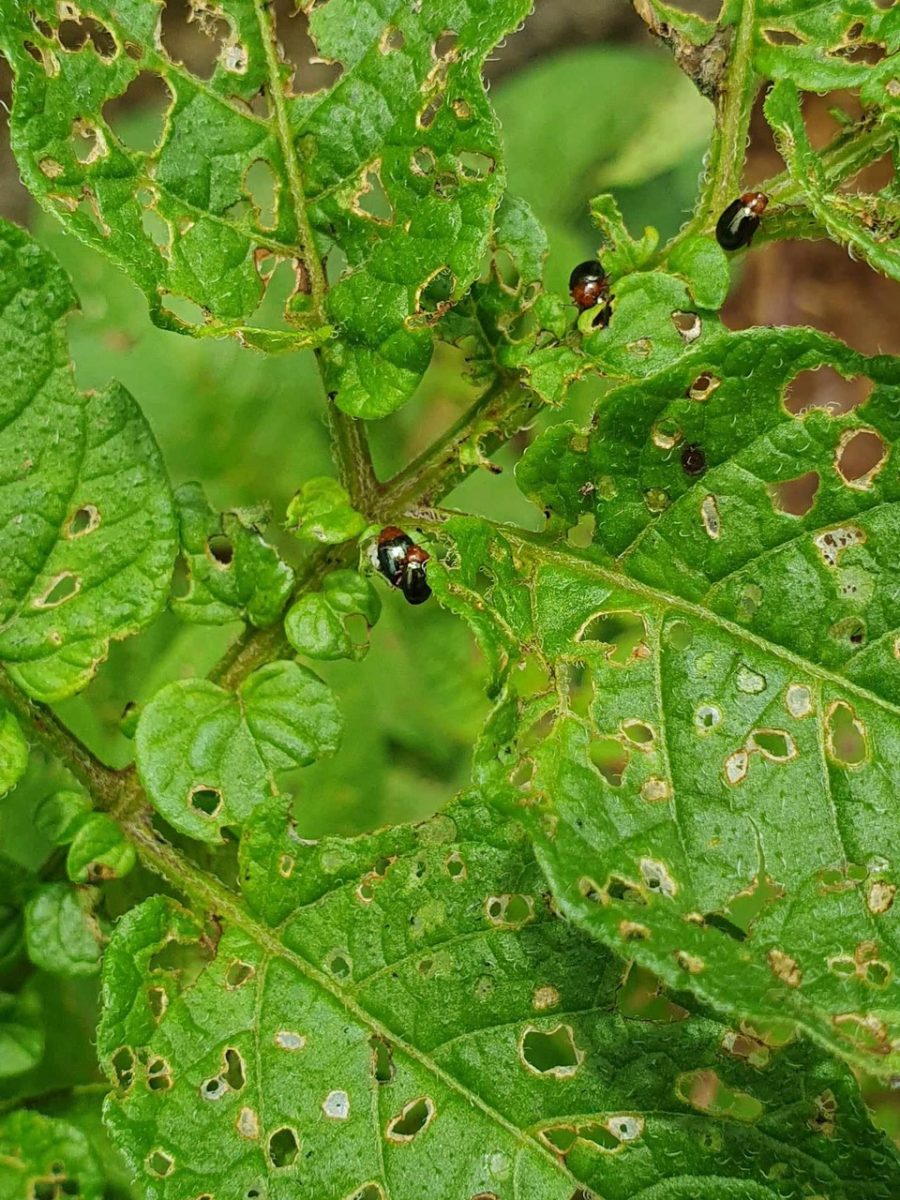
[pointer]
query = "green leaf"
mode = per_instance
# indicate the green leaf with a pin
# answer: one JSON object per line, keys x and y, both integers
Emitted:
{"x": 702, "y": 262}
{"x": 867, "y": 225}
{"x": 395, "y": 166}
{"x": 721, "y": 726}
{"x": 232, "y": 572}
{"x": 822, "y": 46}
{"x": 13, "y": 752}
{"x": 21, "y": 1032}
{"x": 60, "y": 815}
{"x": 87, "y": 535}
{"x": 99, "y": 851}
{"x": 207, "y": 757}
{"x": 320, "y": 624}
{"x": 61, "y": 931}
{"x": 420, "y": 1024}
{"x": 43, "y": 1156}
{"x": 623, "y": 253}
{"x": 321, "y": 512}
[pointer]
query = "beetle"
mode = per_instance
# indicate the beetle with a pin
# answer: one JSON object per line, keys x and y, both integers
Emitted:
{"x": 588, "y": 284}
{"x": 402, "y": 563}
{"x": 740, "y": 220}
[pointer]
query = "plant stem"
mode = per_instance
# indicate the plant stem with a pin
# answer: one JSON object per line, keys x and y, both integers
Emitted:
{"x": 102, "y": 782}
{"x": 351, "y": 454}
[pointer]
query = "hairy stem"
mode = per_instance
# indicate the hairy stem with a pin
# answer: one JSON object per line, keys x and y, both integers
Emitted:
{"x": 104, "y": 784}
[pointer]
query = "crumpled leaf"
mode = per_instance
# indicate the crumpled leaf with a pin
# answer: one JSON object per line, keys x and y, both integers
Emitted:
{"x": 39, "y": 1155}
{"x": 232, "y": 571}
{"x": 706, "y": 760}
{"x": 13, "y": 752}
{"x": 99, "y": 851}
{"x": 87, "y": 536}
{"x": 868, "y": 225}
{"x": 62, "y": 934}
{"x": 318, "y": 626}
{"x": 321, "y": 512}
{"x": 60, "y": 815}
{"x": 21, "y": 1032}
{"x": 207, "y": 757}
{"x": 395, "y": 166}
{"x": 420, "y": 1023}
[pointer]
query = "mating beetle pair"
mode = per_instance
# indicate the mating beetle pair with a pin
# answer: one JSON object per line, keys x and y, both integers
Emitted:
{"x": 402, "y": 563}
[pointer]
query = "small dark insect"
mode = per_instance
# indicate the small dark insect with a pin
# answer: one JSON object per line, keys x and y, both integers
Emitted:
{"x": 588, "y": 284}
{"x": 402, "y": 563}
{"x": 740, "y": 220}
{"x": 693, "y": 460}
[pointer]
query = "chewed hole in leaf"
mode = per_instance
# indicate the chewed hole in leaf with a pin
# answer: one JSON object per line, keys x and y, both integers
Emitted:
{"x": 510, "y": 911}
{"x": 678, "y": 635}
{"x": 610, "y": 757}
{"x": 234, "y": 1074}
{"x": 60, "y": 589}
{"x": 795, "y": 497}
{"x": 206, "y": 800}
{"x": 339, "y": 964}
{"x": 412, "y": 1120}
{"x": 624, "y": 632}
{"x": 289, "y": 1039}
{"x": 688, "y": 325}
{"x": 220, "y": 549}
{"x": 83, "y": 521}
{"x": 475, "y": 165}
{"x": 371, "y": 200}
{"x": 261, "y": 186}
{"x": 707, "y": 717}
{"x": 422, "y": 161}
{"x": 193, "y": 36}
{"x": 705, "y": 1091}
{"x": 429, "y": 111}
{"x": 433, "y": 296}
{"x": 369, "y": 1191}
{"x": 639, "y": 733}
{"x": 773, "y": 744}
{"x": 703, "y": 387}
{"x": 851, "y": 630}
{"x": 860, "y": 456}
{"x": 283, "y": 1147}
{"x": 782, "y": 37}
{"x": 312, "y": 72}
{"x": 123, "y": 1066}
{"x": 553, "y": 1052}
{"x": 160, "y": 1163}
{"x": 382, "y": 1059}
{"x": 138, "y": 116}
{"x": 825, "y": 388}
{"x": 76, "y": 33}
{"x": 392, "y": 39}
{"x": 846, "y": 734}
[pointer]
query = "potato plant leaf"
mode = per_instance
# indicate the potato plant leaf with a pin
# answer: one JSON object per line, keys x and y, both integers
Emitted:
{"x": 207, "y": 757}
{"x": 87, "y": 536}
{"x": 62, "y": 933}
{"x": 13, "y": 752}
{"x": 418, "y": 1022}
{"x": 708, "y": 768}
{"x": 393, "y": 163}
{"x": 334, "y": 622}
{"x": 44, "y": 1156}
{"x": 231, "y": 570}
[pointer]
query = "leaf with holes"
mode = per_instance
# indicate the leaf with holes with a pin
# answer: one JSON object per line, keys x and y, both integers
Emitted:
{"x": 708, "y": 763}
{"x": 386, "y": 163}
{"x": 867, "y": 225}
{"x": 42, "y": 1157}
{"x": 99, "y": 851}
{"x": 421, "y": 1024}
{"x": 207, "y": 757}
{"x": 87, "y": 536}
{"x": 231, "y": 570}
{"x": 325, "y": 624}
